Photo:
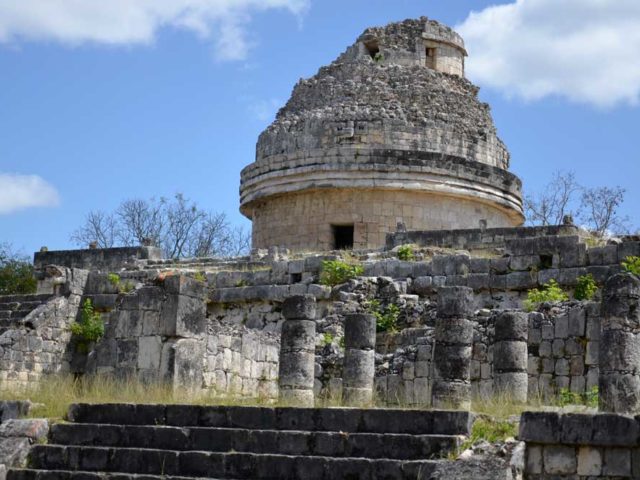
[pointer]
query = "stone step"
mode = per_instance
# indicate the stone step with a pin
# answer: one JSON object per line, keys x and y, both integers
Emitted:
{"x": 351, "y": 420}
{"x": 285, "y": 442}
{"x": 224, "y": 465}
{"x": 30, "y": 474}
{"x": 21, "y": 298}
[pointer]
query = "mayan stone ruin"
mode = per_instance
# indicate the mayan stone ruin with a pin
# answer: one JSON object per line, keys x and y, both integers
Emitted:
{"x": 386, "y": 166}
{"x": 378, "y": 137}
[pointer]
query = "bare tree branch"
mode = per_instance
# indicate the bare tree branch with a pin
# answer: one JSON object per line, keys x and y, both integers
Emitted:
{"x": 551, "y": 206}
{"x": 600, "y": 210}
{"x": 177, "y": 225}
{"x": 99, "y": 227}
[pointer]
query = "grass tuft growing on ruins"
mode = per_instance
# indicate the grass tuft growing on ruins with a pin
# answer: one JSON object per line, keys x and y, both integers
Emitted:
{"x": 550, "y": 292}
{"x": 54, "y": 394}
{"x": 632, "y": 265}
{"x": 335, "y": 272}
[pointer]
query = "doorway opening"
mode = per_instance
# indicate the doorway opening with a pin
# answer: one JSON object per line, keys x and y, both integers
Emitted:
{"x": 342, "y": 237}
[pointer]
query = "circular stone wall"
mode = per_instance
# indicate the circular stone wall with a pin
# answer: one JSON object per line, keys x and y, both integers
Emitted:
{"x": 305, "y": 220}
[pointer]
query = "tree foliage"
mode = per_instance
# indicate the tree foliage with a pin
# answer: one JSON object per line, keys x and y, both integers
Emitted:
{"x": 177, "y": 225}
{"x": 16, "y": 272}
{"x": 596, "y": 208}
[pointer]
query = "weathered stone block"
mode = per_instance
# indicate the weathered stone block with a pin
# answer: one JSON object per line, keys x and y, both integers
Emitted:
{"x": 299, "y": 307}
{"x": 298, "y": 336}
{"x": 360, "y": 331}
{"x": 183, "y": 285}
{"x": 455, "y": 302}
{"x": 559, "y": 460}
{"x": 589, "y": 461}
{"x": 183, "y": 316}
{"x": 512, "y": 326}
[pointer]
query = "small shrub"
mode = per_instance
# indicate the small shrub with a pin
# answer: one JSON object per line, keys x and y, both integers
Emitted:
{"x": 200, "y": 277}
{"x": 586, "y": 288}
{"x": 386, "y": 317}
{"x": 335, "y": 272}
{"x": 490, "y": 430}
{"x": 327, "y": 339}
{"x": 550, "y": 292}
{"x": 632, "y": 265}
{"x": 405, "y": 253}
{"x": 126, "y": 287}
{"x": 90, "y": 328}
{"x": 114, "y": 279}
{"x": 378, "y": 57}
{"x": 589, "y": 399}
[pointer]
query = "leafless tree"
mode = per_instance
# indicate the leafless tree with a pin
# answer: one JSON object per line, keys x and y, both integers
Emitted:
{"x": 141, "y": 220}
{"x": 100, "y": 227}
{"x": 556, "y": 201}
{"x": 596, "y": 208}
{"x": 177, "y": 225}
{"x": 600, "y": 210}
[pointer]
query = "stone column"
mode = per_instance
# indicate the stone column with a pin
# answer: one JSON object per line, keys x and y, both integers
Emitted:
{"x": 619, "y": 380}
{"x": 297, "y": 351}
{"x": 359, "y": 359}
{"x": 510, "y": 356}
{"x": 452, "y": 349}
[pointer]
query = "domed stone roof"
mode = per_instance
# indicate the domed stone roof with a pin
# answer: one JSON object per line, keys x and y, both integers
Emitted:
{"x": 394, "y": 113}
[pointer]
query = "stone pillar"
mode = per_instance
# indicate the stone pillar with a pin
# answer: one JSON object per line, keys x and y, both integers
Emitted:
{"x": 510, "y": 356}
{"x": 619, "y": 380}
{"x": 298, "y": 351}
{"x": 359, "y": 359}
{"x": 452, "y": 349}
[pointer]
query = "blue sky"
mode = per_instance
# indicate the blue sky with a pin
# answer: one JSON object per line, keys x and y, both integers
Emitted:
{"x": 97, "y": 107}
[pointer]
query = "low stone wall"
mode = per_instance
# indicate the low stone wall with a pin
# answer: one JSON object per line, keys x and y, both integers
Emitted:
{"x": 475, "y": 238}
{"x": 575, "y": 446}
{"x": 38, "y": 344}
{"x": 105, "y": 259}
{"x": 155, "y": 333}
{"x": 241, "y": 362}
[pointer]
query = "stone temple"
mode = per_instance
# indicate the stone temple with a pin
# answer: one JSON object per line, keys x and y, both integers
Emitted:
{"x": 390, "y": 133}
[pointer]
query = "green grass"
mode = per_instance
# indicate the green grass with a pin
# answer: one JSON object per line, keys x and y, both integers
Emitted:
{"x": 53, "y": 395}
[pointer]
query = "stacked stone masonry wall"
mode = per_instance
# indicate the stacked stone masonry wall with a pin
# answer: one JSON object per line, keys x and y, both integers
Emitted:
{"x": 580, "y": 446}
{"x": 305, "y": 219}
{"x": 39, "y": 343}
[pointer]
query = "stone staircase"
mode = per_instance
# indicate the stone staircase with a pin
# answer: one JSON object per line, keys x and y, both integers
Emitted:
{"x": 14, "y": 308}
{"x": 126, "y": 441}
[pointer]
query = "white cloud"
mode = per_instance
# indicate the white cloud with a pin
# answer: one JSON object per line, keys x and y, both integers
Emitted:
{"x": 583, "y": 50}
{"x": 18, "y": 192}
{"x": 125, "y": 22}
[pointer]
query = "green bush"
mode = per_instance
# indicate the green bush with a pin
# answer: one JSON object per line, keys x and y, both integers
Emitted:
{"x": 632, "y": 265}
{"x": 550, "y": 292}
{"x": 16, "y": 273}
{"x": 114, "y": 279}
{"x": 200, "y": 277}
{"x": 335, "y": 272}
{"x": 567, "y": 397}
{"x": 90, "y": 328}
{"x": 386, "y": 317}
{"x": 586, "y": 288}
{"x": 126, "y": 287}
{"x": 405, "y": 253}
{"x": 327, "y": 339}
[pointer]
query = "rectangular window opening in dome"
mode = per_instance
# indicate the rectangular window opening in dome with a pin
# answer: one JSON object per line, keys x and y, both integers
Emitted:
{"x": 342, "y": 237}
{"x": 373, "y": 49}
{"x": 431, "y": 57}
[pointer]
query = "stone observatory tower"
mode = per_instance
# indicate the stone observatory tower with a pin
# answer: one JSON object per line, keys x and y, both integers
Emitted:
{"x": 390, "y": 133}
